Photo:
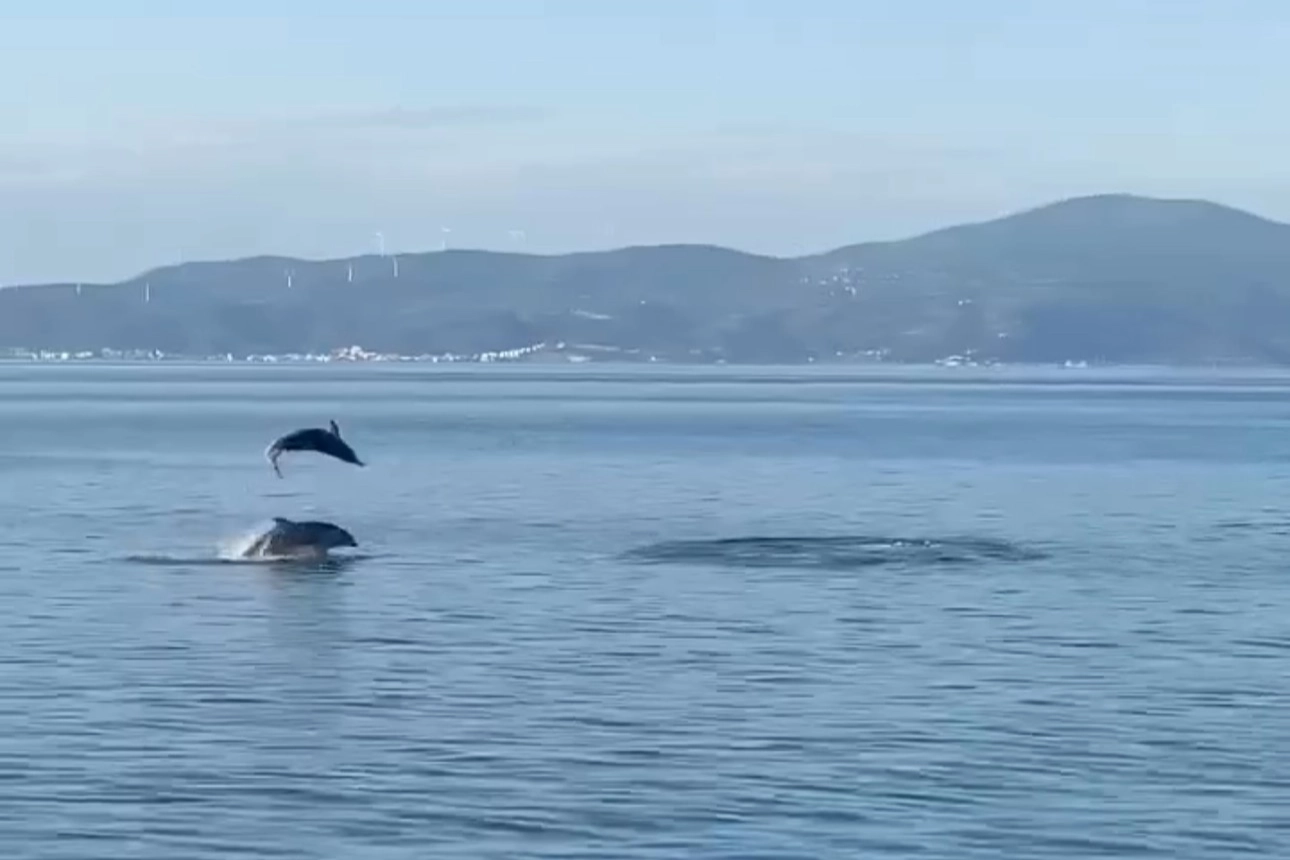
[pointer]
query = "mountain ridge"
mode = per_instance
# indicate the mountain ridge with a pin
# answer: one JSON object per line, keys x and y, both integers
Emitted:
{"x": 1109, "y": 278}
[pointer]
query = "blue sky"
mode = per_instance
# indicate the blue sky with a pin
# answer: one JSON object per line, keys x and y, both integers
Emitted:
{"x": 239, "y": 128}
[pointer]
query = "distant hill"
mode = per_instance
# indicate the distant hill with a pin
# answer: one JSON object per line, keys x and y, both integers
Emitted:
{"x": 1109, "y": 278}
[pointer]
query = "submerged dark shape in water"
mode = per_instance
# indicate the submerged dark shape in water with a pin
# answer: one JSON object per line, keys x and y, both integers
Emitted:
{"x": 306, "y": 539}
{"x": 312, "y": 439}
{"x": 838, "y": 552}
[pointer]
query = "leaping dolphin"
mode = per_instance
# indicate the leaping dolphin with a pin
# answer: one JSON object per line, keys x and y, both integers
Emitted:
{"x": 307, "y": 539}
{"x": 312, "y": 439}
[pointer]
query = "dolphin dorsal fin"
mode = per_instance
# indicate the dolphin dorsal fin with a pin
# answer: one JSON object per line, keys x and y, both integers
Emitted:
{"x": 335, "y": 429}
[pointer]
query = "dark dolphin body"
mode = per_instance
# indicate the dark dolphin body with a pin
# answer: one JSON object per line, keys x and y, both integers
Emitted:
{"x": 312, "y": 439}
{"x": 307, "y": 539}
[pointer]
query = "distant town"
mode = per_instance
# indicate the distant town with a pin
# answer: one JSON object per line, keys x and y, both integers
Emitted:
{"x": 539, "y": 352}
{"x": 348, "y": 354}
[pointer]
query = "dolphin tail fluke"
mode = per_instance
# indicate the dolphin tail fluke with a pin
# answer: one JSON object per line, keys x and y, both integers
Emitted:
{"x": 272, "y": 453}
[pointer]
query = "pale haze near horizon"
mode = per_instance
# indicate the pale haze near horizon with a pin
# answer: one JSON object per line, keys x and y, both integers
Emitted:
{"x": 235, "y": 129}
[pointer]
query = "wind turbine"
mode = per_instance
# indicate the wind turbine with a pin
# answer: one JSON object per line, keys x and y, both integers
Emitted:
{"x": 395, "y": 259}
{"x": 380, "y": 242}
{"x": 350, "y": 276}
{"x": 147, "y": 292}
{"x": 443, "y": 243}
{"x": 287, "y": 272}
{"x": 518, "y": 236}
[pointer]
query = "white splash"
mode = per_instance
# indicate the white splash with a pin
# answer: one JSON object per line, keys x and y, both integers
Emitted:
{"x": 236, "y": 548}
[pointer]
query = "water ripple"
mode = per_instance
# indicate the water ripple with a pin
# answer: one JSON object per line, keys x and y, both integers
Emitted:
{"x": 837, "y": 552}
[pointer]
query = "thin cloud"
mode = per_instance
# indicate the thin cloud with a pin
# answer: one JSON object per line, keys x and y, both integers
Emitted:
{"x": 446, "y": 116}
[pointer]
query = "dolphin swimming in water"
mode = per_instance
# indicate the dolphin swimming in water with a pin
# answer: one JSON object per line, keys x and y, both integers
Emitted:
{"x": 312, "y": 439}
{"x": 306, "y": 539}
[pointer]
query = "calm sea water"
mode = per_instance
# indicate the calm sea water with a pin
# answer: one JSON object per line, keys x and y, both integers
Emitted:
{"x": 630, "y": 614}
